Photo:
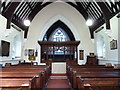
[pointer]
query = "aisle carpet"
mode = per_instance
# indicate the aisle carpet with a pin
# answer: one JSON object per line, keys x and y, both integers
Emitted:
{"x": 58, "y": 81}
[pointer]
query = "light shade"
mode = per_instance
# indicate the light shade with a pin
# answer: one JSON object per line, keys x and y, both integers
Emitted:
{"x": 89, "y": 22}
{"x": 26, "y": 22}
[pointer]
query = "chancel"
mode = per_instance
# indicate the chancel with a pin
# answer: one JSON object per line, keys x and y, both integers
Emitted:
{"x": 59, "y": 44}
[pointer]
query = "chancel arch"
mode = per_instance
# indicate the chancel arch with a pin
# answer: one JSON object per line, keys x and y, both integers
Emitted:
{"x": 39, "y": 26}
{"x": 59, "y": 44}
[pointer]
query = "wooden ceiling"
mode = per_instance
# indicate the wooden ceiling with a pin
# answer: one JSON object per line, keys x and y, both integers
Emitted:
{"x": 100, "y": 11}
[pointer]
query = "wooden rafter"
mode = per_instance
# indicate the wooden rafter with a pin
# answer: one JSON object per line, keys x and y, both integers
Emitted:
{"x": 0, "y": 6}
{"x": 29, "y": 5}
{"x": 88, "y": 6}
{"x": 8, "y": 12}
{"x": 19, "y": 23}
{"x": 79, "y": 8}
{"x": 37, "y": 8}
{"x": 105, "y": 10}
{"x": 100, "y": 12}
{"x": 100, "y": 21}
{"x": 5, "y": 6}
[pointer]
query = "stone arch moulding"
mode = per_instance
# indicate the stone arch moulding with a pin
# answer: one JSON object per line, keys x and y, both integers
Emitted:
{"x": 63, "y": 20}
{"x": 62, "y": 25}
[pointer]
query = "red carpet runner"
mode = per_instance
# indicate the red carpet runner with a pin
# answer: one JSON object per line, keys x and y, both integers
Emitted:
{"x": 58, "y": 81}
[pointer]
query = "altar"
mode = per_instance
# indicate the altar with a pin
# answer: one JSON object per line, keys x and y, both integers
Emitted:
{"x": 58, "y": 67}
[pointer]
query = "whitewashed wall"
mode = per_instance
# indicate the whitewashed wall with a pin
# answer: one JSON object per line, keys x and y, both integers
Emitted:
{"x": 119, "y": 40}
{"x": 74, "y": 20}
{"x": 9, "y": 38}
{"x": 111, "y": 56}
{"x": 67, "y": 14}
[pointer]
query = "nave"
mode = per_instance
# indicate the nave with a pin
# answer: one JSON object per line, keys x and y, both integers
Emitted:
{"x": 58, "y": 31}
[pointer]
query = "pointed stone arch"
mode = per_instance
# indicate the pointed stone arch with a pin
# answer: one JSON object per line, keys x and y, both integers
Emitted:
{"x": 62, "y": 25}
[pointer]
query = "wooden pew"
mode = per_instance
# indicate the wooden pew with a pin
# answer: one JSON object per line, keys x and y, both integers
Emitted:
{"x": 17, "y": 75}
{"x": 39, "y": 77}
{"x": 44, "y": 67}
{"x": 98, "y": 83}
{"x": 89, "y": 70}
{"x": 89, "y": 66}
{"x": 93, "y": 75}
{"x": 18, "y": 83}
{"x": 29, "y": 65}
{"x": 82, "y": 68}
{"x": 86, "y": 66}
{"x": 27, "y": 71}
{"x": 93, "y": 72}
{"x": 70, "y": 72}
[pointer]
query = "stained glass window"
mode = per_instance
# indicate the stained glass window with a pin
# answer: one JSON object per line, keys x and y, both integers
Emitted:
{"x": 59, "y": 35}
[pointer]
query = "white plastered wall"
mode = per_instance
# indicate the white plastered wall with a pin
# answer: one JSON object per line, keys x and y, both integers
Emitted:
{"x": 119, "y": 40}
{"x": 111, "y": 56}
{"x": 67, "y": 14}
{"x": 9, "y": 38}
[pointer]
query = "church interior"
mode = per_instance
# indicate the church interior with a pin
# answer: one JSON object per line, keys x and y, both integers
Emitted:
{"x": 59, "y": 44}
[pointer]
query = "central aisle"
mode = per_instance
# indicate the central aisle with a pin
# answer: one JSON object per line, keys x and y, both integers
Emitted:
{"x": 58, "y": 81}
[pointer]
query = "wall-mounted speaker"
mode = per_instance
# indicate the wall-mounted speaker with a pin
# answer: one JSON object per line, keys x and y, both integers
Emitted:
{"x": 107, "y": 24}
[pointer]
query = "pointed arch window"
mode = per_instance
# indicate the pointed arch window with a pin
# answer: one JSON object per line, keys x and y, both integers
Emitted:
{"x": 101, "y": 47}
{"x": 17, "y": 47}
{"x": 59, "y": 35}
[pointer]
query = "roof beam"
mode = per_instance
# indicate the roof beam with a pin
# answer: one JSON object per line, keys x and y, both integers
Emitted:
{"x": 29, "y": 5}
{"x": 37, "y": 8}
{"x": 105, "y": 10}
{"x": 106, "y": 13}
{"x": 5, "y": 7}
{"x": 0, "y": 6}
{"x": 21, "y": 8}
{"x": 97, "y": 24}
{"x": 19, "y": 24}
{"x": 119, "y": 3}
{"x": 79, "y": 8}
{"x": 88, "y": 6}
{"x": 8, "y": 13}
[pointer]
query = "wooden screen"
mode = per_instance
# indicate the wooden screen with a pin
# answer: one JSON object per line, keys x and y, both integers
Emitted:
{"x": 58, "y": 51}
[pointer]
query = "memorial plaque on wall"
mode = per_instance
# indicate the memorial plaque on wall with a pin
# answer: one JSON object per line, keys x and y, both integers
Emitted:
{"x": 5, "y": 48}
{"x": 81, "y": 53}
{"x": 31, "y": 52}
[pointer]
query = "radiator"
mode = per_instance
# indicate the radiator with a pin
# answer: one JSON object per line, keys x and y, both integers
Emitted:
{"x": 59, "y": 67}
